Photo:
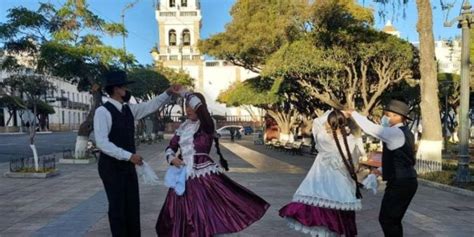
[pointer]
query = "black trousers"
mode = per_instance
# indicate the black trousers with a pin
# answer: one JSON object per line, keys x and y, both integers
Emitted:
{"x": 121, "y": 185}
{"x": 396, "y": 199}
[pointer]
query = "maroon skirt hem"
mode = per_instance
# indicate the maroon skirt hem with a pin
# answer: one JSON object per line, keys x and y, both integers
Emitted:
{"x": 212, "y": 204}
{"x": 338, "y": 221}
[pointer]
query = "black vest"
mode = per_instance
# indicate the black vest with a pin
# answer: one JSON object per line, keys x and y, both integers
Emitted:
{"x": 122, "y": 132}
{"x": 399, "y": 163}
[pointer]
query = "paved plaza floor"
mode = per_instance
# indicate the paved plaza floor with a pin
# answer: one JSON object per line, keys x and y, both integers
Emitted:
{"x": 74, "y": 203}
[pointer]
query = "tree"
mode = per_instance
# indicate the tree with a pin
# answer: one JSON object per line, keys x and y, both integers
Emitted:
{"x": 33, "y": 87}
{"x": 66, "y": 43}
{"x": 148, "y": 84}
{"x": 355, "y": 77}
{"x": 326, "y": 51}
{"x": 13, "y": 104}
{"x": 431, "y": 144}
{"x": 257, "y": 29}
{"x": 267, "y": 94}
{"x": 42, "y": 112}
{"x": 449, "y": 88}
{"x": 175, "y": 76}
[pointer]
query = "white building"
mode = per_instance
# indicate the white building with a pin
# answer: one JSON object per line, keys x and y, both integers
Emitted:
{"x": 179, "y": 23}
{"x": 70, "y": 106}
{"x": 448, "y": 56}
{"x": 448, "y": 52}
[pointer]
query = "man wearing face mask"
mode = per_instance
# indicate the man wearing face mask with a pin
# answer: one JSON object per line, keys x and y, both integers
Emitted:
{"x": 398, "y": 161}
{"x": 114, "y": 134}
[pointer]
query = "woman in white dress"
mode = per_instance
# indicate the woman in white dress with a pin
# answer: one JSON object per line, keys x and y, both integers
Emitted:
{"x": 326, "y": 200}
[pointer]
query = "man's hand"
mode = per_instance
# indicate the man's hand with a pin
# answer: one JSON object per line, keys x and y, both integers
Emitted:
{"x": 347, "y": 113}
{"x": 177, "y": 162}
{"x": 136, "y": 159}
{"x": 174, "y": 89}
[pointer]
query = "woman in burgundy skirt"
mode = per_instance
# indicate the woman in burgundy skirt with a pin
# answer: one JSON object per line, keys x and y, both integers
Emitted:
{"x": 212, "y": 203}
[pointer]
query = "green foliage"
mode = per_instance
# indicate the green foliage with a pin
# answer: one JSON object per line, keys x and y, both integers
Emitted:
{"x": 42, "y": 108}
{"x": 12, "y": 102}
{"x": 256, "y": 91}
{"x": 449, "y": 84}
{"x": 325, "y": 52}
{"x": 446, "y": 177}
{"x": 148, "y": 82}
{"x": 257, "y": 29}
{"x": 32, "y": 85}
{"x": 64, "y": 41}
{"x": 176, "y": 77}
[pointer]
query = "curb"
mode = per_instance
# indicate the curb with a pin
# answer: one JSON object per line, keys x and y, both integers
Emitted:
{"x": 446, "y": 188}
{"x": 31, "y": 175}
{"x": 77, "y": 161}
{"x": 12, "y": 133}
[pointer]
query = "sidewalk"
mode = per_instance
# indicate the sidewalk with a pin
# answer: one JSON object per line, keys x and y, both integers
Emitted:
{"x": 74, "y": 203}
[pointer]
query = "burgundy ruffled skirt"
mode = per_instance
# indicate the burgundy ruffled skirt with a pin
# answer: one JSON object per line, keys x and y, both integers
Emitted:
{"x": 212, "y": 204}
{"x": 319, "y": 221}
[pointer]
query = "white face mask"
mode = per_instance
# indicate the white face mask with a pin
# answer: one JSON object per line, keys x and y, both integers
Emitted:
{"x": 385, "y": 121}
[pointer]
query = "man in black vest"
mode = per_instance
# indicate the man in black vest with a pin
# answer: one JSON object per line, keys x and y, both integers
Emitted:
{"x": 398, "y": 161}
{"x": 114, "y": 130}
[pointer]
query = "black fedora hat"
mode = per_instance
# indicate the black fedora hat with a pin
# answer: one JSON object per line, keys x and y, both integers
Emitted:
{"x": 116, "y": 78}
{"x": 398, "y": 107}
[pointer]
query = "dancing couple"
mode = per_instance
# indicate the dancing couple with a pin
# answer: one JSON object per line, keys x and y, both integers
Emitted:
{"x": 212, "y": 203}
{"x": 326, "y": 200}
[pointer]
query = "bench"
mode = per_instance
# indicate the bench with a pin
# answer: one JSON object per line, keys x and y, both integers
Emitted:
{"x": 374, "y": 161}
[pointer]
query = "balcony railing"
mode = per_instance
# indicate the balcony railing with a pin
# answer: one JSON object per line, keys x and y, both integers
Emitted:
{"x": 74, "y": 105}
{"x": 188, "y": 13}
{"x": 167, "y": 13}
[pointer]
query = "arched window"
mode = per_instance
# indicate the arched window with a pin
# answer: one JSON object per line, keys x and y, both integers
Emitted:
{"x": 186, "y": 37}
{"x": 184, "y": 3}
{"x": 172, "y": 37}
{"x": 172, "y": 3}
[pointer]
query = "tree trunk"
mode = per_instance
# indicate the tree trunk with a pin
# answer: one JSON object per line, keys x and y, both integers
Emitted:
{"x": 32, "y": 137}
{"x": 87, "y": 126}
{"x": 431, "y": 143}
{"x": 285, "y": 122}
{"x": 8, "y": 121}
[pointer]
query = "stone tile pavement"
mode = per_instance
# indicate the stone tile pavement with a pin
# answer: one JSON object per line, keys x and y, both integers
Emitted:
{"x": 74, "y": 203}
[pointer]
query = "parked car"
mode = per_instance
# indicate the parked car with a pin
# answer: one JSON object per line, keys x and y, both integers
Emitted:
{"x": 225, "y": 131}
{"x": 248, "y": 130}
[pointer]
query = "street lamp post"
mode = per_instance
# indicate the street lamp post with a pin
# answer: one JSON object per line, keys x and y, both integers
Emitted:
{"x": 464, "y": 22}
{"x": 181, "y": 52}
{"x": 181, "y": 66}
{"x": 446, "y": 112}
{"x": 128, "y": 6}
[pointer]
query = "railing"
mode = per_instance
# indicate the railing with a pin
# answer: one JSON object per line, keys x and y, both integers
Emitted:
{"x": 74, "y": 105}
{"x": 167, "y": 13}
{"x": 28, "y": 164}
{"x": 239, "y": 119}
{"x": 212, "y": 64}
{"x": 190, "y": 13}
{"x": 228, "y": 118}
{"x": 187, "y": 57}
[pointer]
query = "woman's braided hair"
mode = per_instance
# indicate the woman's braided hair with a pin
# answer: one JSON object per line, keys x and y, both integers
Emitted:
{"x": 338, "y": 123}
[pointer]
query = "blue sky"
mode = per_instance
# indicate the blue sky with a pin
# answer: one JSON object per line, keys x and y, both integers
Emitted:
{"x": 141, "y": 24}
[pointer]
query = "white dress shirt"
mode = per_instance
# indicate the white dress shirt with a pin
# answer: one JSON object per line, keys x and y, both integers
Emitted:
{"x": 103, "y": 123}
{"x": 392, "y": 136}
